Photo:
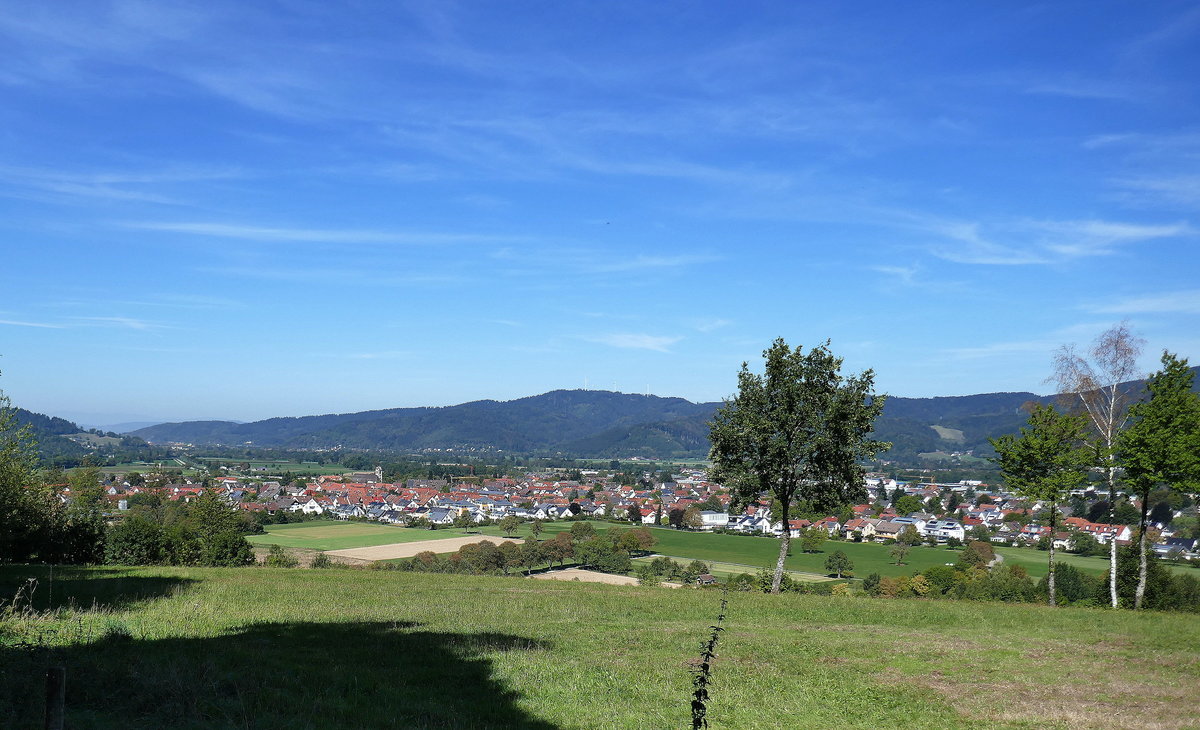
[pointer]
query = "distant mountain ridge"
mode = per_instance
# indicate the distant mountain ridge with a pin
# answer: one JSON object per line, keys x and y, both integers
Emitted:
{"x": 597, "y": 424}
{"x": 549, "y": 422}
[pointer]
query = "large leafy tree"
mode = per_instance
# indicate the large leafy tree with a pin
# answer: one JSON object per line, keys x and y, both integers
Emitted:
{"x": 1047, "y": 461}
{"x": 20, "y": 521}
{"x": 1161, "y": 446}
{"x": 797, "y": 431}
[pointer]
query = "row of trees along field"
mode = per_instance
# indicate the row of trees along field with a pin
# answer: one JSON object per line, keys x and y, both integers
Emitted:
{"x": 1151, "y": 443}
{"x": 801, "y": 430}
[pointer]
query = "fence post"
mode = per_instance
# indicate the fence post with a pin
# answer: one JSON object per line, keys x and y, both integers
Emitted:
{"x": 56, "y": 697}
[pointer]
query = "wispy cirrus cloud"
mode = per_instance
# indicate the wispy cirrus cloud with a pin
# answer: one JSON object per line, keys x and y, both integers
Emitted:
{"x": 632, "y": 341}
{"x": 132, "y": 323}
{"x": 643, "y": 262}
{"x": 322, "y": 274}
{"x": 1075, "y": 239}
{"x": 1181, "y": 302}
{"x": 710, "y": 325}
{"x": 1000, "y": 349}
{"x": 270, "y": 234}
{"x": 1169, "y": 189}
{"x": 21, "y": 323}
{"x": 121, "y": 185}
{"x": 1029, "y": 242}
{"x": 902, "y": 275}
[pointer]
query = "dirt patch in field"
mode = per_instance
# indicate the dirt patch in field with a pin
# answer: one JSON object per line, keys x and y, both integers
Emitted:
{"x": 409, "y": 549}
{"x": 592, "y": 576}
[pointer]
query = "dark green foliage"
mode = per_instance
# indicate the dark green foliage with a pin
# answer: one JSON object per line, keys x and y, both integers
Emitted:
{"x": 1165, "y": 590}
{"x": 812, "y": 539}
{"x": 277, "y": 557}
{"x": 871, "y": 583}
{"x": 1082, "y": 543}
{"x": 943, "y": 578}
{"x": 581, "y": 531}
{"x": 693, "y": 570}
{"x": 1073, "y": 586}
{"x": 797, "y": 432}
{"x": 1161, "y": 447}
{"x": 136, "y": 540}
{"x": 321, "y": 560}
{"x": 1003, "y": 583}
{"x": 839, "y": 564}
{"x": 977, "y": 554}
{"x": 226, "y": 549}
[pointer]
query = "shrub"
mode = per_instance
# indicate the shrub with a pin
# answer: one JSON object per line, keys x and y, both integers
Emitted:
{"x": 977, "y": 554}
{"x": 742, "y": 582}
{"x": 942, "y": 578}
{"x": 277, "y": 557}
{"x": 1071, "y": 585}
{"x": 321, "y": 560}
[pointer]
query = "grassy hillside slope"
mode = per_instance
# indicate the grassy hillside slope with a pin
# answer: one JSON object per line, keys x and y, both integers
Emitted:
{"x": 264, "y": 648}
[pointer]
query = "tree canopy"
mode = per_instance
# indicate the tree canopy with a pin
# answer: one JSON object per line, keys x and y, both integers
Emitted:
{"x": 797, "y": 431}
{"x": 1161, "y": 446}
{"x": 1047, "y": 461}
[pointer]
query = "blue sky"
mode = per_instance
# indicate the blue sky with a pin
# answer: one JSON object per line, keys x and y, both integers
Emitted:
{"x": 242, "y": 210}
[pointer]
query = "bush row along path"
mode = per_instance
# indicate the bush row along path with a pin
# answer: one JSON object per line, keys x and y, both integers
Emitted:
{"x": 409, "y": 549}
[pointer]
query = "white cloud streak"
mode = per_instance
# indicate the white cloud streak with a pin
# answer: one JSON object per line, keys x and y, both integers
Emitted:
{"x": 19, "y": 323}
{"x": 636, "y": 341}
{"x": 267, "y": 234}
{"x": 1178, "y": 302}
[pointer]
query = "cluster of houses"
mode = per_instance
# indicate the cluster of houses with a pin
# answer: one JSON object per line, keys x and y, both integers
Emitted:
{"x": 976, "y": 512}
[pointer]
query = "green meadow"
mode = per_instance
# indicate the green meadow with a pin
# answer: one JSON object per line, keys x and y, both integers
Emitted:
{"x": 324, "y": 535}
{"x": 294, "y": 648}
{"x": 736, "y": 553}
{"x": 279, "y": 467}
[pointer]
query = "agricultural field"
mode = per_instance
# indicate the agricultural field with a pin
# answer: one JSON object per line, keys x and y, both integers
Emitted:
{"x": 734, "y": 554}
{"x": 341, "y": 648}
{"x": 264, "y": 468}
{"x": 323, "y": 535}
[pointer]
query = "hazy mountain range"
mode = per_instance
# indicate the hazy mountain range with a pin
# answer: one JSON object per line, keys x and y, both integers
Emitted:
{"x": 597, "y": 424}
{"x": 581, "y": 423}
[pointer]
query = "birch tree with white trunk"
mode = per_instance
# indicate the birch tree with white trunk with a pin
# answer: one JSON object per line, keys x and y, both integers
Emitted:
{"x": 1092, "y": 386}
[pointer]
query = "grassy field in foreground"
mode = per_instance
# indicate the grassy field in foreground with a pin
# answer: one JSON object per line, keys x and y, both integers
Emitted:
{"x": 279, "y": 648}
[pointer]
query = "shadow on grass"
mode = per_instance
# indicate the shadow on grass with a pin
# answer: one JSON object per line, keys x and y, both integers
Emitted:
{"x": 84, "y": 588}
{"x": 276, "y": 675}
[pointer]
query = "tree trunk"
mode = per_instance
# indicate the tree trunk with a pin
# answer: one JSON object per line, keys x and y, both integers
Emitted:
{"x": 1141, "y": 585}
{"x": 785, "y": 541}
{"x": 1112, "y": 538}
{"x": 1050, "y": 575}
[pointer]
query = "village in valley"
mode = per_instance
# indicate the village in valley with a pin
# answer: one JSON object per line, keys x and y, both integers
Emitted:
{"x": 940, "y": 514}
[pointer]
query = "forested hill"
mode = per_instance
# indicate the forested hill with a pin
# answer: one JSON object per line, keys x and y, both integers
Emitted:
{"x": 599, "y": 424}
{"x": 63, "y": 443}
{"x": 543, "y": 423}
